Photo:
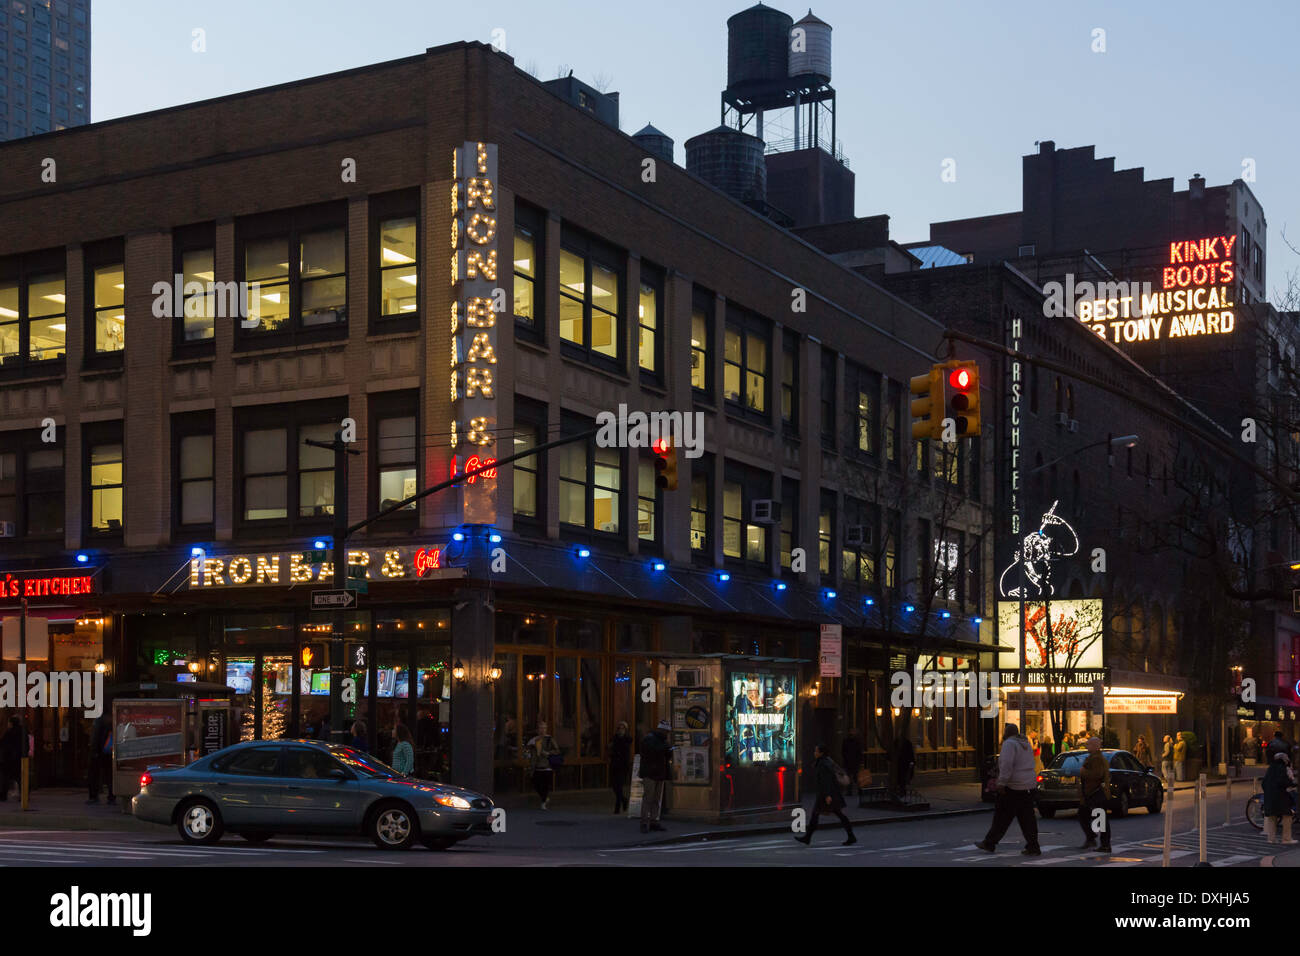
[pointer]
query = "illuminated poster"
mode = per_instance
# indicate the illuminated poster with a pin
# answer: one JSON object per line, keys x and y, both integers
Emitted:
{"x": 760, "y": 724}
{"x": 692, "y": 709}
{"x": 1074, "y": 643}
{"x": 147, "y": 733}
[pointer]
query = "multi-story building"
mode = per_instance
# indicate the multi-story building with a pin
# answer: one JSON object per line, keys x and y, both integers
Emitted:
{"x": 44, "y": 66}
{"x": 155, "y": 435}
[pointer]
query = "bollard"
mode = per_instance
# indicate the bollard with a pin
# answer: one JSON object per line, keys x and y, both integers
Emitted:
{"x": 25, "y": 784}
{"x": 1227, "y": 801}
{"x": 1169, "y": 825}
{"x": 1201, "y": 801}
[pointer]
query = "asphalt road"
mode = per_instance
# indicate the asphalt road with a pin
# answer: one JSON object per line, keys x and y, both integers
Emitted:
{"x": 942, "y": 842}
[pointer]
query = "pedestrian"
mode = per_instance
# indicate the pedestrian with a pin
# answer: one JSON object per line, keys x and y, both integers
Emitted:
{"x": 359, "y": 736}
{"x": 1016, "y": 784}
{"x": 542, "y": 749}
{"x": 906, "y": 763}
{"x": 1180, "y": 758}
{"x": 1094, "y": 792}
{"x": 1142, "y": 751}
{"x": 1067, "y": 742}
{"x": 1278, "y": 779}
{"x": 100, "y": 758}
{"x": 851, "y": 751}
{"x": 403, "y": 751}
{"x": 656, "y": 767}
{"x": 620, "y": 765}
{"x": 1276, "y": 746}
{"x": 829, "y": 799}
{"x": 1167, "y": 760}
{"x": 1038, "y": 751}
{"x": 12, "y": 750}
{"x": 1049, "y": 751}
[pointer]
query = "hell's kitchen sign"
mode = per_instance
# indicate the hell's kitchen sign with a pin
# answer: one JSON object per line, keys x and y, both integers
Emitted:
{"x": 45, "y": 586}
{"x": 289, "y": 568}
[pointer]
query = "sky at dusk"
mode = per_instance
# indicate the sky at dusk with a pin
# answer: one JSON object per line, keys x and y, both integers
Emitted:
{"x": 1186, "y": 88}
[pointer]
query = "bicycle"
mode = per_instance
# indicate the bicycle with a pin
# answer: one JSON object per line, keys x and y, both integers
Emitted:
{"x": 1255, "y": 810}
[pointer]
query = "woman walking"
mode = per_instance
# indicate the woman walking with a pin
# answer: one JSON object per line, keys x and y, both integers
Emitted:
{"x": 403, "y": 751}
{"x": 620, "y": 765}
{"x": 1277, "y": 802}
{"x": 542, "y": 749}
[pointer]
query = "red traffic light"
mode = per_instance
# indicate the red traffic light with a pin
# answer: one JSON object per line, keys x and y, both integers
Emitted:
{"x": 960, "y": 378}
{"x": 661, "y": 446}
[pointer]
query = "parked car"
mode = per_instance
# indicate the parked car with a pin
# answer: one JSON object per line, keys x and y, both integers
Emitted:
{"x": 260, "y": 788}
{"x": 1131, "y": 784}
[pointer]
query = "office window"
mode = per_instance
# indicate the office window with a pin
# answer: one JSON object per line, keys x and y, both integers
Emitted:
{"x": 864, "y": 421}
{"x": 530, "y": 241}
{"x": 195, "y": 479}
{"x": 893, "y": 534}
{"x": 893, "y": 423}
{"x": 825, "y": 532}
{"x": 33, "y": 316}
{"x": 525, "y": 472}
{"x": 296, "y": 266}
{"x": 591, "y": 298}
{"x": 43, "y": 505}
{"x": 789, "y": 519}
{"x": 606, "y": 482}
{"x": 857, "y": 558}
{"x": 700, "y": 508}
{"x": 398, "y": 280}
{"x": 591, "y": 487}
{"x": 395, "y": 461}
{"x": 650, "y": 320}
{"x": 745, "y": 360}
{"x": 828, "y": 398}
{"x": 790, "y": 380}
{"x": 315, "y": 471}
{"x": 105, "y": 488}
{"x": 647, "y": 500}
{"x": 266, "y": 474}
{"x": 701, "y": 335}
{"x": 573, "y": 485}
{"x": 109, "y": 296}
{"x": 743, "y": 539}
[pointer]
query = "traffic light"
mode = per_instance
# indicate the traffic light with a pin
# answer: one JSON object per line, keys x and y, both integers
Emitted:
{"x": 961, "y": 397}
{"x": 926, "y": 422}
{"x": 313, "y": 655}
{"x": 665, "y": 464}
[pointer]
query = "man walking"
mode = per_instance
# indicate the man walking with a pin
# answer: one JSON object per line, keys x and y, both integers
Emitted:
{"x": 1094, "y": 789}
{"x": 656, "y": 764}
{"x": 829, "y": 799}
{"x": 1016, "y": 783}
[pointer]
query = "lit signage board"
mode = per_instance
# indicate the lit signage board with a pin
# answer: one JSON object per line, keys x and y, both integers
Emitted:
{"x": 760, "y": 723}
{"x": 1076, "y": 630}
{"x": 289, "y": 568}
{"x": 476, "y": 300}
{"x": 1142, "y": 705}
{"x": 45, "y": 584}
{"x": 1195, "y": 297}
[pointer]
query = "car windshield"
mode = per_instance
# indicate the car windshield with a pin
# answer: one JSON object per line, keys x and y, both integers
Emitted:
{"x": 362, "y": 763}
{"x": 1070, "y": 764}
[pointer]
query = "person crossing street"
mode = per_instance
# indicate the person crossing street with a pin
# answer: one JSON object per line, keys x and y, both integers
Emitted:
{"x": 1015, "y": 801}
{"x": 1094, "y": 788}
{"x": 829, "y": 798}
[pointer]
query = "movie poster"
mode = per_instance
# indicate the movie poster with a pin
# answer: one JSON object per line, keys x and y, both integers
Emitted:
{"x": 760, "y": 724}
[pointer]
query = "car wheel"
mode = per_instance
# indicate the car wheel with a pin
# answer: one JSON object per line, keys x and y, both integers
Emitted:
{"x": 1121, "y": 809}
{"x": 393, "y": 826}
{"x": 199, "y": 823}
{"x": 257, "y": 836}
{"x": 1047, "y": 812}
{"x": 437, "y": 843}
{"x": 1157, "y": 802}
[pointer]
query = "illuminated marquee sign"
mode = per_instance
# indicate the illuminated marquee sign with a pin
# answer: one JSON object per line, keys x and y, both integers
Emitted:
{"x": 476, "y": 296}
{"x": 1142, "y": 705}
{"x": 1195, "y": 297}
{"x": 44, "y": 584}
{"x": 248, "y": 570}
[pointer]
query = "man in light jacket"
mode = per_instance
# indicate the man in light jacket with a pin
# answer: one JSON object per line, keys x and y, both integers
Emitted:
{"x": 1017, "y": 781}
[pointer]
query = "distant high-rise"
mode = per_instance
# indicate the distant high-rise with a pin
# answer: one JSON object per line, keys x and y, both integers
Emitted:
{"x": 44, "y": 66}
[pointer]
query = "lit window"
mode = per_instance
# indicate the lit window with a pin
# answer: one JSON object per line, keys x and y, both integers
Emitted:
{"x": 315, "y": 472}
{"x": 525, "y": 276}
{"x": 397, "y": 267}
{"x": 396, "y": 459}
{"x": 700, "y": 350}
{"x": 646, "y": 498}
{"x": 525, "y": 471}
{"x": 110, "y": 315}
{"x": 648, "y": 326}
{"x": 199, "y": 311}
{"x": 106, "y": 488}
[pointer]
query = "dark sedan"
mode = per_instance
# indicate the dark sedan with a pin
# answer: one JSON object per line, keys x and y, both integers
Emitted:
{"x": 260, "y": 788}
{"x": 1131, "y": 784}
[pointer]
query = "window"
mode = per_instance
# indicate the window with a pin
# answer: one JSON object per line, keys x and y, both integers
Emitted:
{"x": 647, "y": 500}
{"x": 863, "y": 401}
{"x": 742, "y": 539}
{"x": 396, "y": 455}
{"x": 295, "y": 265}
{"x": 529, "y": 481}
{"x": 254, "y": 762}
{"x": 530, "y": 236}
{"x": 590, "y": 486}
{"x": 108, "y": 294}
{"x": 105, "y": 465}
{"x": 194, "y": 254}
{"x": 398, "y": 267}
{"x": 745, "y": 361}
{"x": 194, "y": 467}
{"x": 282, "y": 477}
{"x": 700, "y": 472}
{"x": 857, "y": 559}
{"x": 893, "y": 423}
{"x": 649, "y": 321}
{"x": 947, "y": 565}
{"x": 828, "y": 398}
{"x": 590, "y": 299}
{"x": 33, "y": 312}
{"x": 790, "y": 381}
{"x": 893, "y": 534}
{"x": 789, "y": 519}
{"x": 31, "y": 486}
{"x": 701, "y": 334}
{"x": 825, "y": 532}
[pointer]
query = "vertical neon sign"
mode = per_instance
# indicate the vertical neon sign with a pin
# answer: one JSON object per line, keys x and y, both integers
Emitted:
{"x": 473, "y": 364}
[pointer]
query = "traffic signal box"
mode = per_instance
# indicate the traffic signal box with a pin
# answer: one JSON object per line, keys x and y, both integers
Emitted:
{"x": 949, "y": 390}
{"x": 313, "y": 655}
{"x": 665, "y": 464}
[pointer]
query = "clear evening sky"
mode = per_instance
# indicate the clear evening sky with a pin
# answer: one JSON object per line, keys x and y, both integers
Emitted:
{"x": 1182, "y": 88}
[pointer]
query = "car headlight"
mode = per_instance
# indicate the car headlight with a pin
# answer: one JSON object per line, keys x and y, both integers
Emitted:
{"x": 453, "y": 801}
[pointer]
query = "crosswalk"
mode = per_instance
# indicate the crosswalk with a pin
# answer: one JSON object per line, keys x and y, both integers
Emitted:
{"x": 1225, "y": 846}
{"x": 93, "y": 852}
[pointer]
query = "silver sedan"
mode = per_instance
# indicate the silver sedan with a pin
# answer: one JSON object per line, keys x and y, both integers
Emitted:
{"x": 260, "y": 788}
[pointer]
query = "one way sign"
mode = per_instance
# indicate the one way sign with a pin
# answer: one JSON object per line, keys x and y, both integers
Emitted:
{"x": 333, "y": 600}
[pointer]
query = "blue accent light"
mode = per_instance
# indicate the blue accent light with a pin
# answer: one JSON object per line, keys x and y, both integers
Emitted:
{"x": 494, "y": 538}
{"x": 909, "y": 608}
{"x": 657, "y": 565}
{"x": 196, "y": 552}
{"x": 869, "y": 601}
{"x": 320, "y": 544}
{"x": 977, "y": 620}
{"x": 583, "y": 552}
{"x": 458, "y": 536}
{"x": 945, "y": 615}
{"x": 83, "y": 558}
{"x": 724, "y": 576}
{"x": 829, "y": 594}
{"x": 780, "y": 585}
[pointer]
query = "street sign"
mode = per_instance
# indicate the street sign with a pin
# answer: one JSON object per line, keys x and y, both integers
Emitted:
{"x": 315, "y": 557}
{"x": 360, "y": 587}
{"x": 333, "y": 600}
{"x": 832, "y": 645}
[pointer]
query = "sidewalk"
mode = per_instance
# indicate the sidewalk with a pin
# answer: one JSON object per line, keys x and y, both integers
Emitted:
{"x": 65, "y": 808}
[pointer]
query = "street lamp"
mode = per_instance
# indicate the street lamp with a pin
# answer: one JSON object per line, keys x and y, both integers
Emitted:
{"x": 1128, "y": 441}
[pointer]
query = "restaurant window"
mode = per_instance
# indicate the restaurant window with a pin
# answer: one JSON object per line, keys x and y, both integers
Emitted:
{"x": 194, "y": 257}
{"x": 650, "y": 321}
{"x": 825, "y": 532}
{"x": 295, "y": 264}
{"x": 396, "y": 241}
{"x": 395, "y": 451}
{"x": 591, "y": 311}
{"x": 828, "y": 398}
{"x": 33, "y": 312}
{"x": 745, "y": 361}
{"x": 701, "y": 335}
{"x": 742, "y": 538}
{"x": 530, "y": 239}
{"x": 106, "y": 297}
{"x": 647, "y": 501}
{"x": 529, "y": 480}
{"x": 701, "y": 471}
{"x": 789, "y": 519}
{"x": 282, "y": 477}
{"x": 104, "y": 473}
{"x": 790, "y": 381}
{"x": 194, "y": 468}
{"x": 591, "y": 486}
